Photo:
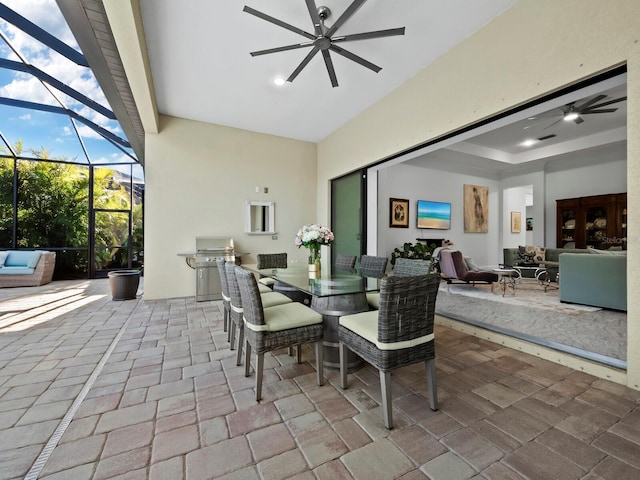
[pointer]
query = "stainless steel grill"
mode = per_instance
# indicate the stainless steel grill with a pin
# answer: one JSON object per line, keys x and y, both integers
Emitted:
{"x": 208, "y": 250}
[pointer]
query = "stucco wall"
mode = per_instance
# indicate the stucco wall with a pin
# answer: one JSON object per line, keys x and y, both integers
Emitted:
{"x": 535, "y": 47}
{"x": 198, "y": 178}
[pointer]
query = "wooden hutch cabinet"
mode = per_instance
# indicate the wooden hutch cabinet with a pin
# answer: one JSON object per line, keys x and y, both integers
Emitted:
{"x": 599, "y": 222}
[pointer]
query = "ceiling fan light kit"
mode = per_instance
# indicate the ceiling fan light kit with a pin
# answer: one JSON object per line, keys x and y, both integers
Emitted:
{"x": 323, "y": 38}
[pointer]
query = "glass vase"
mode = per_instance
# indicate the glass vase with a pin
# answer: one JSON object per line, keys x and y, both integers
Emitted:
{"x": 314, "y": 258}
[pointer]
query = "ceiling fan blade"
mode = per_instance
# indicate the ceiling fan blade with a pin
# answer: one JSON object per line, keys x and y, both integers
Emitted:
{"x": 351, "y": 9}
{"x": 578, "y": 120}
{"x": 610, "y": 102}
{"x": 280, "y": 49}
{"x": 542, "y": 120}
{"x": 588, "y": 103}
{"x": 280, "y": 23}
{"x": 315, "y": 17}
{"x": 367, "y": 35}
{"x": 600, "y": 110}
{"x": 355, "y": 58}
{"x": 303, "y": 64}
{"x": 330, "y": 70}
{"x": 552, "y": 124}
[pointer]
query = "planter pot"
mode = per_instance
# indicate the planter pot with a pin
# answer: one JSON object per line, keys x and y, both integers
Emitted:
{"x": 124, "y": 284}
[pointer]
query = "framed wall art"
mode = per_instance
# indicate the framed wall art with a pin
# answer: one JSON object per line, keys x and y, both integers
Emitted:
{"x": 398, "y": 213}
{"x": 516, "y": 222}
{"x": 476, "y": 209}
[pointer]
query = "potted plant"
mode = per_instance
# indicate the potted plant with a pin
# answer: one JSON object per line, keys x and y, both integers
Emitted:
{"x": 416, "y": 251}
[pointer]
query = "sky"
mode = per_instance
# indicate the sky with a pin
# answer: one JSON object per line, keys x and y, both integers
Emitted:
{"x": 51, "y": 131}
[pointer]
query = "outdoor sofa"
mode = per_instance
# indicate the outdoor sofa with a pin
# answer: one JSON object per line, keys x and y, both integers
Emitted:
{"x": 24, "y": 268}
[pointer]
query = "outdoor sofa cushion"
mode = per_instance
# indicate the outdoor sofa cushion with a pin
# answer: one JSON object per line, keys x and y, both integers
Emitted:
{"x": 22, "y": 258}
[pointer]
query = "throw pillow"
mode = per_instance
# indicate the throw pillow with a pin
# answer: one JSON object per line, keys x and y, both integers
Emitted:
{"x": 3, "y": 257}
{"x": 524, "y": 256}
{"x": 536, "y": 253}
{"x": 471, "y": 265}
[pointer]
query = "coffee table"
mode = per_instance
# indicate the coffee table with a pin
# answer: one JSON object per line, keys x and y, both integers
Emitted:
{"x": 540, "y": 273}
{"x": 507, "y": 278}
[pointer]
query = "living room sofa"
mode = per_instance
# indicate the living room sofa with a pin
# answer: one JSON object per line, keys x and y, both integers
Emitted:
{"x": 23, "y": 268}
{"x": 511, "y": 258}
{"x": 599, "y": 280}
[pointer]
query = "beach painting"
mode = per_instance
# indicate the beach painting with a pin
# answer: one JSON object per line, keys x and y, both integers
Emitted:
{"x": 435, "y": 215}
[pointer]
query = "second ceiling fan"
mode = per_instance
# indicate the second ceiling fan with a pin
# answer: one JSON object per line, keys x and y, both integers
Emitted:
{"x": 573, "y": 112}
{"x": 324, "y": 38}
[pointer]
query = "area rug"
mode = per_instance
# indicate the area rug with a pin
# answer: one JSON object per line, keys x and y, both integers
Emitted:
{"x": 533, "y": 315}
{"x": 528, "y": 293}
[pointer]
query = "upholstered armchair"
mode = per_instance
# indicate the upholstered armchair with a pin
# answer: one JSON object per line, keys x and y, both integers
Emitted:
{"x": 455, "y": 270}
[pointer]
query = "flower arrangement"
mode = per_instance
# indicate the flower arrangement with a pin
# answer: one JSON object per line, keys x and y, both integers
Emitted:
{"x": 312, "y": 237}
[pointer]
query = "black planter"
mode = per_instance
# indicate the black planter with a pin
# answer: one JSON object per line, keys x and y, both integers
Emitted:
{"x": 124, "y": 284}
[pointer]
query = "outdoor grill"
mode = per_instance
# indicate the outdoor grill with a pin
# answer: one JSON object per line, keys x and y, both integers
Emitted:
{"x": 208, "y": 250}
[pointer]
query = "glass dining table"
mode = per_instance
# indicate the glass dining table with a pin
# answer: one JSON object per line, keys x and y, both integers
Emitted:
{"x": 334, "y": 293}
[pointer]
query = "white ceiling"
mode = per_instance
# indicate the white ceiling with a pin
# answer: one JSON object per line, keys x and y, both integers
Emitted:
{"x": 498, "y": 146}
{"x": 202, "y": 70}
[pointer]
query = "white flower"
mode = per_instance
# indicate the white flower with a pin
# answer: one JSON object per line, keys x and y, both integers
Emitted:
{"x": 314, "y": 235}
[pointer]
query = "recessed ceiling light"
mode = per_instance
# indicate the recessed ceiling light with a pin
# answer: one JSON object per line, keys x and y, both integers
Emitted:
{"x": 279, "y": 81}
{"x": 529, "y": 142}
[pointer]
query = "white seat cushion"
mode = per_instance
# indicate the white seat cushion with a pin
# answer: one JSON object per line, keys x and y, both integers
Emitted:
{"x": 283, "y": 317}
{"x": 271, "y": 299}
{"x": 365, "y": 325}
{"x": 373, "y": 299}
{"x": 267, "y": 281}
{"x": 263, "y": 288}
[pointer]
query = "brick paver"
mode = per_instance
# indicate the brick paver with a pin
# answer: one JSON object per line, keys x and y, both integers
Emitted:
{"x": 170, "y": 403}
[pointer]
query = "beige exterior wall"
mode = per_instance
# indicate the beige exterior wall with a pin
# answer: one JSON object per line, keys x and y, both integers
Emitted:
{"x": 198, "y": 178}
{"x": 535, "y": 47}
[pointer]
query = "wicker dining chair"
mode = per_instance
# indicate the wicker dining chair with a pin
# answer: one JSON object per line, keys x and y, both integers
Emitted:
{"x": 281, "y": 326}
{"x": 270, "y": 260}
{"x": 409, "y": 266}
{"x": 346, "y": 262}
{"x": 371, "y": 266}
{"x": 400, "y": 333}
{"x": 226, "y": 299}
{"x": 269, "y": 299}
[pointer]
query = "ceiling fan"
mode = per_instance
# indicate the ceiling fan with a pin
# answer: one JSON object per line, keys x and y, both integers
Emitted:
{"x": 573, "y": 112}
{"x": 323, "y": 38}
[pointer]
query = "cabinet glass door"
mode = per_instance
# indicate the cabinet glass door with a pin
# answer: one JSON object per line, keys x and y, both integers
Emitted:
{"x": 596, "y": 227}
{"x": 568, "y": 237}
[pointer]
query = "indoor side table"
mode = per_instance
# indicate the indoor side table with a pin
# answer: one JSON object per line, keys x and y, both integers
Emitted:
{"x": 507, "y": 278}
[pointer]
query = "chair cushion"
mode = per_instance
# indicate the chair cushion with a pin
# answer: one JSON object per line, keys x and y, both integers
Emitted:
{"x": 23, "y": 258}
{"x": 16, "y": 270}
{"x": 271, "y": 299}
{"x": 481, "y": 276}
{"x": 263, "y": 288}
{"x": 365, "y": 325}
{"x": 373, "y": 299}
{"x": 268, "y": 281}
{"x": 284, "y": 317}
